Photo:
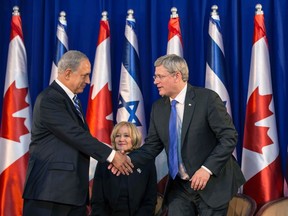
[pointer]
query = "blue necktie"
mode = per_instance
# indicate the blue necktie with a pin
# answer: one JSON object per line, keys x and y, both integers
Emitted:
{"x": 173, "y": 139}
{"x": 77, "y": 106}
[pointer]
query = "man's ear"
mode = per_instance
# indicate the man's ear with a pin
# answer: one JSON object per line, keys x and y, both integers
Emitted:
{"x": 67, "y": 73}
{"x": 178, "y": 75}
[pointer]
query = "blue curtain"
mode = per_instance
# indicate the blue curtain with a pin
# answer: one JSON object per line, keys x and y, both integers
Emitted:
{"x": 39, "y": 21}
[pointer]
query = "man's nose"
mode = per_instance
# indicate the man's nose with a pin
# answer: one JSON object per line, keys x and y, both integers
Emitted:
{"x": 87, "y": 80}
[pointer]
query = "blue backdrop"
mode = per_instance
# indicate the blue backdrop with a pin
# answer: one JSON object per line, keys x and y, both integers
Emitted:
{"x": 39, "y": 21}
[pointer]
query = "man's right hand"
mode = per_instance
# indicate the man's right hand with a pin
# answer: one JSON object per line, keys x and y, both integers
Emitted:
{"x": 123, "y": 163}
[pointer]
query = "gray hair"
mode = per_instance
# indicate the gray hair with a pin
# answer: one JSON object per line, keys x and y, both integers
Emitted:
{"x": 174, "y": 63}
{"x": 71, "y": 59}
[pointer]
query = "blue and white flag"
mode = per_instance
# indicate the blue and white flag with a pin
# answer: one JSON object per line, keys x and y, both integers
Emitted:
{"x": 215, "y": 65}
{"x": 130, "y": 99}
{"x": 61, "y": 45}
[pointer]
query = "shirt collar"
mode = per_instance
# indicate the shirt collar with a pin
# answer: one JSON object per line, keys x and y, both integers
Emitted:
{"x": 67, "y": 90}
{"x": 180, "y": 98}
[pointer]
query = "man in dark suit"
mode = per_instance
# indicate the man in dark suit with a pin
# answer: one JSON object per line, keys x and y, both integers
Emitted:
{"x": 61, "y": 145}
{"x": 207, "y": 175}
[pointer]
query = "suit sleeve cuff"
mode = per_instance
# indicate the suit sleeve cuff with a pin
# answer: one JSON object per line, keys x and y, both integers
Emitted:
{"x": 209, "y": 171}
{"x": 111, "y": 156}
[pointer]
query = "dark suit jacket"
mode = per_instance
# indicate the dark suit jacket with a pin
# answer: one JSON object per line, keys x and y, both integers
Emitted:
{"x": 208, "y": 138}
{"x": 142, "y": 190}
{"x": 60, "y": 147}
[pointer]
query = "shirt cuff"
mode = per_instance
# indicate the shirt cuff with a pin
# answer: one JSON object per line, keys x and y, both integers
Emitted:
{"x": 111, "y": 156}
{"x": 209, "y": 171}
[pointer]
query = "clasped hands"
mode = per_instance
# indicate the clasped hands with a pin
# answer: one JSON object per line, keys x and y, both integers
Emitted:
{"x": 121, "y": 164}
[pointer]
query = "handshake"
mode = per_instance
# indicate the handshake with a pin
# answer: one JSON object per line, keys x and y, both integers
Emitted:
{"x": 121, "y": 164}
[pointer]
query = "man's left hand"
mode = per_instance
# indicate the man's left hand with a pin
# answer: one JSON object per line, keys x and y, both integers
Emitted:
{"x": 200, "y": 179}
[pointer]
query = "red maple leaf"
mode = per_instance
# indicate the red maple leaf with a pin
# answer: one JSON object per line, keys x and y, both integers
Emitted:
{"x": 256, "y": 137}
{"x": 98, "y": 110}
{"x": 14, "y": 100}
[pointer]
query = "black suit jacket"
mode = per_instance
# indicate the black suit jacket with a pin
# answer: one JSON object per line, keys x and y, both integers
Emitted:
{"x": 142, "y": 190}
{"x": 208, "y": 138}
{"x": 60, "y": 147}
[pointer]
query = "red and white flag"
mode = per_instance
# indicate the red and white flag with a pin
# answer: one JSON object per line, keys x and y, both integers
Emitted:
{"x": 260, "y": 158}
{"x": 174, "y": 46}
{"x": 175, "y": 43}
{"x": 15, "y": 124}
{"x": 99, "y": 111}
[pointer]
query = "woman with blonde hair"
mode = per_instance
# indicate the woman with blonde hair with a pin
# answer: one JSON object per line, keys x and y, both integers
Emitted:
{"x": 130, "y": 131}
{"x": 124, "y": 195}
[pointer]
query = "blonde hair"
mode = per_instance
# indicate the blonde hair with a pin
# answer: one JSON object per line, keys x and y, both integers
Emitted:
{"x": 134, "y": 133}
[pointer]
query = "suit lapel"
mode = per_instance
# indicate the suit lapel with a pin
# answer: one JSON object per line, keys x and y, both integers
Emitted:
{"x": 188, "y": 112}
{"x": 58, "y": 88}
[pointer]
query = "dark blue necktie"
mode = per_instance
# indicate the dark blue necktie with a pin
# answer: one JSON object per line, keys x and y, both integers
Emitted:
{"x": 77, "y": 106}
{"x": 173, "y": 139}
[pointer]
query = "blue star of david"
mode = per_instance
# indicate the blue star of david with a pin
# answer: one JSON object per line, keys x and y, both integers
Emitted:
{"x": 131, "y": 107}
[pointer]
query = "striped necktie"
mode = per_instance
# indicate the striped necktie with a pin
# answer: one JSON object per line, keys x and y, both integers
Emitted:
{"x": 76, "y": 102}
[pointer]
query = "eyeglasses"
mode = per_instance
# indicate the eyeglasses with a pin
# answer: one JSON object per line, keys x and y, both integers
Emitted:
{"x": 161, "y": 77}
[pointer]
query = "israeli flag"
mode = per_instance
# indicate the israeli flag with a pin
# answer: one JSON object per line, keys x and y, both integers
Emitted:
{"x": 215, "y": 65}
{"x": 130, "y": 99}
{"x": 61, "y": 45}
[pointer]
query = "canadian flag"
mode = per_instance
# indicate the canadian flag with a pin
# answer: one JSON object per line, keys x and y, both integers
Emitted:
{"x": 260, "y": 158}
{"x": 174, "y": 46}
{"x": 99, "y": 111}
{"x": 175, "y": 43}
{"x": 15, "y": 124}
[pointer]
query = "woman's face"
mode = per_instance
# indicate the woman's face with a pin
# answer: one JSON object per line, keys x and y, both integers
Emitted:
{"x": 123, "y": 140}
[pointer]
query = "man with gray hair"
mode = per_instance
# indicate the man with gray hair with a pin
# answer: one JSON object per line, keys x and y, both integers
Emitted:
{"x": 198, "y": 135}
{"x": 57, "y": 178}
